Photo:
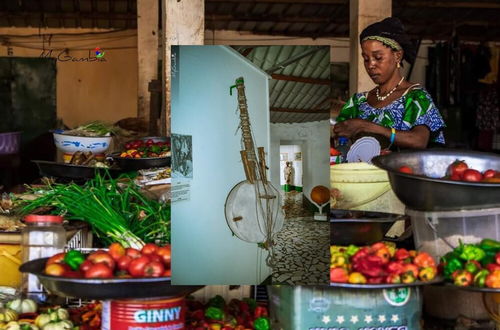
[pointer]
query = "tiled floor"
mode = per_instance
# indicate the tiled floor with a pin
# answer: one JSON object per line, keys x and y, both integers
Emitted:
{"x": 302, "y": 252}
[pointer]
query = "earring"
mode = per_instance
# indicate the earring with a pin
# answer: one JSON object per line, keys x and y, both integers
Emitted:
{"x": 399, "y": 65}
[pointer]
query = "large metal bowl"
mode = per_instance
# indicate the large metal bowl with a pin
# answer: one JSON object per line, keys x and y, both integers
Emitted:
{"x": 112, "y": 288}
{"x": 425, "y": 190}
{"x": 360, "y": 227}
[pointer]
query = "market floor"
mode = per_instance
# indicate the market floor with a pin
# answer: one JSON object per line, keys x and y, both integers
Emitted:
{"x": 302, "y": 254}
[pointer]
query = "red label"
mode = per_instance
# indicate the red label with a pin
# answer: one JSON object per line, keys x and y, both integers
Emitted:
{"x": 165, "y": 314}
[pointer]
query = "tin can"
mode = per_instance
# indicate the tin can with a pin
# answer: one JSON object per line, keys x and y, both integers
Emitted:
{"x": 151, "y": 314}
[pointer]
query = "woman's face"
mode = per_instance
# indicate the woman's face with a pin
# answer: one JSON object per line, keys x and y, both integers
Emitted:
{"x": 380, "y": 61}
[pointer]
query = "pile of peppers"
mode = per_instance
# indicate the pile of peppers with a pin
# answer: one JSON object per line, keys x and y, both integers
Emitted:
{"x": 380, "y": 263}
{"x": 473, "y": 264}
{"x": 243, "y": 314}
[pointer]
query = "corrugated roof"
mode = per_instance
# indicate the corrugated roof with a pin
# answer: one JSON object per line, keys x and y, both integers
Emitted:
{"x": 301, "y": 80}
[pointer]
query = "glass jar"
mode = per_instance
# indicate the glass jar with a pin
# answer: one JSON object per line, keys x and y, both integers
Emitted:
{"x": 43, "y": 236}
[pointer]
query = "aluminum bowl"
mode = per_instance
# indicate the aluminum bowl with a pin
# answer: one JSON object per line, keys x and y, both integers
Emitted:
{"x": 425, "y": 190}
{"x": 360, "y": 227}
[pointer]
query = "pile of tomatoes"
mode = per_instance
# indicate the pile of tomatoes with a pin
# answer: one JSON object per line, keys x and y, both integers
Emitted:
{"x": 460, "y": 171}
{"x": 151, "y": 261}
{"x": 146, "y": 149}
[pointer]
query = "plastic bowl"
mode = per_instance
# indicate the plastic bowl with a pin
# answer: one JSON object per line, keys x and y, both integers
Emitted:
{"x": 426, "y": 190}
{"x": 72, "y": 144}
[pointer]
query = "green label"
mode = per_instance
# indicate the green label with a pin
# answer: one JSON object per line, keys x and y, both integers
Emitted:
{"x": 397, "y": 296}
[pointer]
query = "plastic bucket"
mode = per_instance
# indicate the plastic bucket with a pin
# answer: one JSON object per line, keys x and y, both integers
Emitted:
{"x": 363, "y": 187}
{"x": 308, "y": 307}
{"x": 10, "y": 143}
{"x": 157, "y": 313}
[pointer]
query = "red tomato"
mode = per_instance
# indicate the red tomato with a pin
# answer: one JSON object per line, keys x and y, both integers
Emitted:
{"x": 133, "y": 253}
{"x": 56, "y": 269}
{"x": 128, "y": 146}
{"x": 406, "y": 169}
{"x": 149, "y": 142}
{"x": 84, "y": 266}
{"x": 457, "y": 167}
{"x": 472, "y": 175}
{"x": 155, "y": 257}
{"x": 124, "y": 262}
{"x": 167, "y": 273}
{"x": 116, "y": 250}
{"x": 456, "y": 177}
{"x": 149, "y": 248}
{"x": 136, "y": 267}
{"x": 99, "y": 270}
{"x": 165, "y": 253}
{"x": 56, "y": 258}
{"x": 102, "y": 256}
{"x": 489, "y": 174}
{"x": 74, "y": 274}
{"x": 154, "y": 269}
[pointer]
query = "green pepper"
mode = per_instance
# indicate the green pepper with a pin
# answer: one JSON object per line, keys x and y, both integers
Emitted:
{"x": 262, "y": 323}
{"x": 488, "y": 244}
{"x": 351, "y": 250}
{"x": 472, "y": 266}
{"x": 217, "y": 301}
{"x": 480, "y": 278}
{"x": 472, "y": 252}
{"x": 74, "y": 259}
{"x": 452, "y": 265}
{"x": 489, "y": 258}
{"x": 214, "y": 313}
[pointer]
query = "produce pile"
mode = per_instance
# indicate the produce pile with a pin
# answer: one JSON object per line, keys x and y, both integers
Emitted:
{"x": 151, "y": 261}
{"x": 117, "y": 210}
{"x": 460, "y": 171}
{"x": 380, "y": 263}
{"x": 146, "y": 149}
{"x": 87, "y": 159}
{"x": 93, "y": 129}
{"x": 24, "y": 314}
{"x": 243, "y": 314}
{"x": 473, "y": 264}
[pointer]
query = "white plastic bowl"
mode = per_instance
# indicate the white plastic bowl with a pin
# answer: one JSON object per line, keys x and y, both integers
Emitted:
{"x": 72, "y": 144}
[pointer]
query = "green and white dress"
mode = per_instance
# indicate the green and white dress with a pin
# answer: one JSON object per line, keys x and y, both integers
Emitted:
{"x": 412, "y": 109}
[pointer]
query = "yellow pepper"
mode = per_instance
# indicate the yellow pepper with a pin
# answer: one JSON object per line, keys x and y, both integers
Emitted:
{"x": 427, "y": 274}
{"x": 337, "y": 260}
{"x": 356, "y": 278}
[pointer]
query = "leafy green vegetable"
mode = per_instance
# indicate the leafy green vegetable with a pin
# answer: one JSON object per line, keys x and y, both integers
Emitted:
{"x": 117, "y": 211}
{"x": 95, "y": 128}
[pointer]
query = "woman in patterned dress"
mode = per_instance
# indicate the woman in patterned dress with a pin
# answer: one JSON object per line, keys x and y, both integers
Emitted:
{"x": 397, "y": 109}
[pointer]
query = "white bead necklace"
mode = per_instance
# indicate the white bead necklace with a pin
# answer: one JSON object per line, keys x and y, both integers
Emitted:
{"x": 382, "y": 98}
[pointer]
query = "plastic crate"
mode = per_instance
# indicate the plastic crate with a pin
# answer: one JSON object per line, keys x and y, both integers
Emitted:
{"x": 439, "y": 232}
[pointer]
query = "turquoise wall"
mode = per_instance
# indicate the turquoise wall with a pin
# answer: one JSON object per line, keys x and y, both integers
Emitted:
{"x": 203, "y": 248}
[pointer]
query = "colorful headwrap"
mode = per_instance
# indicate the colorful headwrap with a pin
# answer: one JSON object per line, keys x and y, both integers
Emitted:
{"x": 390, "y": 32}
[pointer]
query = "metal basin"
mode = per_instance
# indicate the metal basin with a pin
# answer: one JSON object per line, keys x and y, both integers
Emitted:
{"x": 360, "y": 227}
{"x": 112, "y": 288}
{"x": 425, "y": 190}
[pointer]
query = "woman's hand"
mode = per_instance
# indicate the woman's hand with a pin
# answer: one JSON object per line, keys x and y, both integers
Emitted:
{"x": 349, "y": 128}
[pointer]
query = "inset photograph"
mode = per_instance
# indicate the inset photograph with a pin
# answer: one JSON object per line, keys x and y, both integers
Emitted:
{"x": 253, "y": 128}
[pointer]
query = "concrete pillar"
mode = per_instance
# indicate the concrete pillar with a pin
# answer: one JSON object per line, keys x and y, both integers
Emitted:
{"x": 363, "y": 13}
{"x": 147, "y": 53}
{"x": 184, "y": 24}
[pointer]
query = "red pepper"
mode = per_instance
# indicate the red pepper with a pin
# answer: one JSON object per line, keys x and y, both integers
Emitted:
{"x": 260, "y": 311}
{"x": 493, "y": 280}
{"x": 376, "y": 280}
{"x": 401, "y": 254}
{"x": 360, "y": 254}
{"x": 423, "y": 259}
{"x": 462, "y": 278}
{"x": 198, "y": 314}
{"x": 395, "y": 267}
{"x": 371, "y": 266}
{"x": 411, "y": 268}
{"x": 393, "y": 278}
{"x": 492, "y": 267}
{"x": 338, "y": 275}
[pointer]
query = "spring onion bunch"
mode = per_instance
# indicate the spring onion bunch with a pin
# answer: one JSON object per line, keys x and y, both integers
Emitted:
{"x": 117, "y": 212}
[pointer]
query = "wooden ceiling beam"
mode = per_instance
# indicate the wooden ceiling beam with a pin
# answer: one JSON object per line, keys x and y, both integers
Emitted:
{"x": 315, "y": 81}
{"x": 68, "y": 15}
{"x": 307, "y": 2}
{"x": 272, "y": 18}
{"x": 452, "y": 4}
{"x": 288, "y": 110}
